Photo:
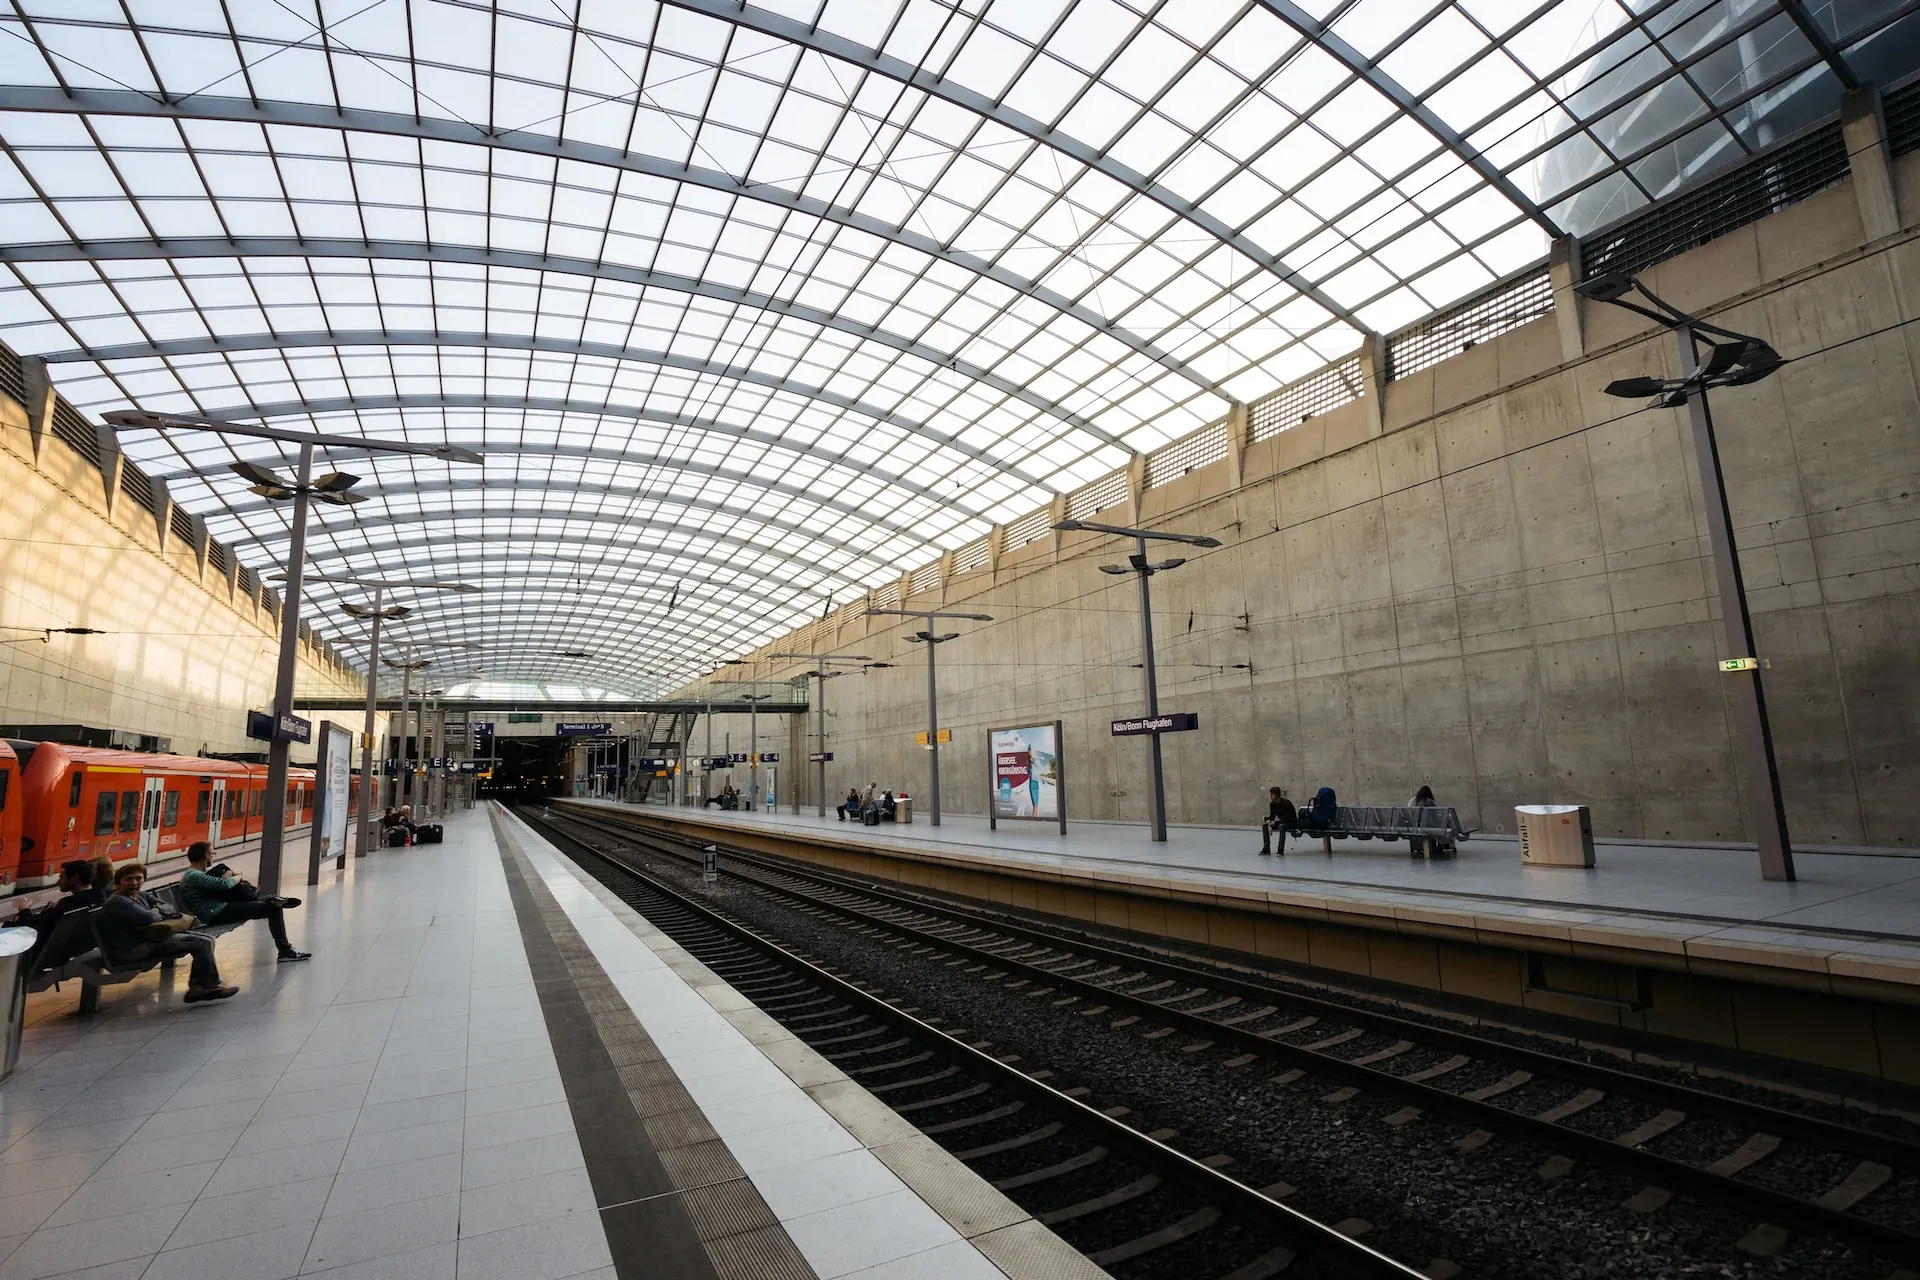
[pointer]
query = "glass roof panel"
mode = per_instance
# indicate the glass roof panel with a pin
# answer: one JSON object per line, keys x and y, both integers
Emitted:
{"x": 766, "y": 302}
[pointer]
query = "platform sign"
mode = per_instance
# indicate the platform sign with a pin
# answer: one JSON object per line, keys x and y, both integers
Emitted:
{"x": 737, "y": 757}
{"x": 481, "y": 726}
{"x": 943, "y": 736}
{"x": 1027, "y": 775}
{"x": 819, "y": 757}
{"x": 1175, "y": 722}
{"x": 769, "y": 757}
{"x": 583, "y": 728}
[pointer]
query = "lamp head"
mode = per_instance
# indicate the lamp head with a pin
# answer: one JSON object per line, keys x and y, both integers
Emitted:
{"x": 1608, "y": 286}
{"x": 1115, "y": 569}
{"x": 335, "y": 482}
{"x": 1070, "y": 526}
{"x": 1164, "y": 565}
{"x": 265, "y": 477}
{"x": 1635, "y": 388}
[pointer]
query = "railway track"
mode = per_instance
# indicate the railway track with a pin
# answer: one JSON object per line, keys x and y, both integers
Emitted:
{"x": 1132, "y": 1203}
{"x": 1671, "y": 1137}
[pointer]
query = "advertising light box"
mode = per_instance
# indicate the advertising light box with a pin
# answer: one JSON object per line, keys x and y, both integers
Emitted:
{"x": 1027, "y": 775}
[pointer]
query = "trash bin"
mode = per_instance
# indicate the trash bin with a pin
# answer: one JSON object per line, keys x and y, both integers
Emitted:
{"x": 903, "y": 808}
{"x": 14, "y": 945}
{"x": 1555, "y": 835}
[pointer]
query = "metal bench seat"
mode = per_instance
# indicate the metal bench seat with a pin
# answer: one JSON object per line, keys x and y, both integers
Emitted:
{"x": 1431, "y": 831}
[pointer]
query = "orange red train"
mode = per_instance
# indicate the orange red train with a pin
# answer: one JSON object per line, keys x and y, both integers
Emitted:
{"x": 61, "y": 802}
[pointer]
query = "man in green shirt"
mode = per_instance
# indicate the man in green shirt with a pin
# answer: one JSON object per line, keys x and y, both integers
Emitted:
{"x": 223, "y": 899}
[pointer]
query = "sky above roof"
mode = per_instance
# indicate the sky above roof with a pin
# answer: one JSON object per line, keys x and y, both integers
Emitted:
{"x": 752, "y": 306}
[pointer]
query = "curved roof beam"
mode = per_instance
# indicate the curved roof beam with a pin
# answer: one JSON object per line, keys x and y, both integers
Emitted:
{"x": 692, "y": 467}
{"x": 215, "y": 345}
{"x": 278, "y": 537}
{"x": 1321, "y": 34}
{"x": 608, "y": 491}
{"x": 840, "y": 49}
{"x": 123, "y": 102}
{"x": 554, "y": 404}
{"x": 472, "y": 255}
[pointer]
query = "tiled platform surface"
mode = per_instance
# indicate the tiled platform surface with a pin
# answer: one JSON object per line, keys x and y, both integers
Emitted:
{"x": 1850, "y": 914}
{"x": 393, "y": 1109}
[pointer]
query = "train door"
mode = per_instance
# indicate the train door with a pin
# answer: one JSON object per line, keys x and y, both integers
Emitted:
{"x": 216, "y": 810}
{"x": 156, "y": 789}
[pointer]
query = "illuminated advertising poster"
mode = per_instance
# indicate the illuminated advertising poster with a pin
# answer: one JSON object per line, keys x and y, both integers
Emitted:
{"x": 1027, "y": 779}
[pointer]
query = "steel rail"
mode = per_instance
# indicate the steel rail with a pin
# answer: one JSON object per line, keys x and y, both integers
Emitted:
{"x": 1301, "y": 1231}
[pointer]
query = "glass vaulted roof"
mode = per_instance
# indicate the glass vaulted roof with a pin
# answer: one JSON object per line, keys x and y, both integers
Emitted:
{"x": 752, "y": 306}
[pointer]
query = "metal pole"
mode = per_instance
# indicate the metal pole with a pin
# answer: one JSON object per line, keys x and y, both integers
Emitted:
{"x": 366, "y": 737}
{"x": 400, "y": 751}
{"x": 753, "y": 754}
{"x": 933, "y": 729}
{"x": 706, "y": 776}
{"x": 1747, "y": 701}
{"x": 820, "y": 682}
{"x": 1158, "y": 818}
{"x": 273, "y": 833}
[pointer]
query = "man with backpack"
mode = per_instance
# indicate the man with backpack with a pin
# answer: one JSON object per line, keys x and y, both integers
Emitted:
{"x": 1280, "y": 816}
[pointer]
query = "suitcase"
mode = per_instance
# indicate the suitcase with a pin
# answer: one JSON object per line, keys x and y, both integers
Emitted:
{"x": 872, "y": 817}
{"x": 396, "y": 838}
{"x": 428, "y": 834}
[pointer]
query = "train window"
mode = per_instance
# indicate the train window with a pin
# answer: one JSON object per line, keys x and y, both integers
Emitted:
{"x": 200, "y": 806}
{"x": 170, "y": 817}
{"x": 233, "y": 804}
{"x": 73, "y": 791}
{"x": 6, "y": 776}
{"x": 129, "y": 810}
{"x": 103, "y": 815}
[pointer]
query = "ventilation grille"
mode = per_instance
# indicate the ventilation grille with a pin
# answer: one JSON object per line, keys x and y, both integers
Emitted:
{"x": 1901, "y": 110}
{"x": 76, "y": 431}
{"x": 134, "y": 483}
{"x": 970, "y": 557}
{"x": 1766, "y": 184}
{"x": 887, "y": 597}
{"x": 925, "y": 578}
{"x": 1506, "y": 306}
{"x": 1337, "y": 384}
{"x": 181, "y": 522}
{"x": 12, "y": 381}
{"x": 217, "y": 555}
{"x": 1108, "y": 491}
{"x": 249, "y": 585}
{"x": 1028, "y": 528}
{"x": 1190, "y": 452}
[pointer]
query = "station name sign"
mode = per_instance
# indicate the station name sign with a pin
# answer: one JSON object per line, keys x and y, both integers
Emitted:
{"x": 583, "y": 728}
{"x": 1178, "y": 722}
{"x": 819, "y": 757}
{"x": 291, "y": 728}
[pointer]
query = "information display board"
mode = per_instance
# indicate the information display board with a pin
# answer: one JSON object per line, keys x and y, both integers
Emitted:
{"x": 333, "y": 773}
{"x": 1027, "y": 777}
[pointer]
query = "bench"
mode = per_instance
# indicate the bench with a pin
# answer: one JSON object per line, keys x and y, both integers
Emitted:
{"x": 1431, "y": 831}
{"x": 73, "y": 952}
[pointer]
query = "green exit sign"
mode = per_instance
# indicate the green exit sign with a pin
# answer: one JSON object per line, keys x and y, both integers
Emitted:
{"x": 1739, "y": 664}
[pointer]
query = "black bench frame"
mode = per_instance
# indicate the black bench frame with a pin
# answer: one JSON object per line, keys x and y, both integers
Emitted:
{"x": 1431, "y": 831}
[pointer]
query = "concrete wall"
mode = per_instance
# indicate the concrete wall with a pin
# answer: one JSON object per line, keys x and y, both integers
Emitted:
{"x": 185, "y": 654}
{"x": 1495, "y": 583}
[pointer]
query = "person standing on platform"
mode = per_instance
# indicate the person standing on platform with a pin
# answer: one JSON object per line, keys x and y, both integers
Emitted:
{"x": 1280, "y": 816}
{"x": 217, "y": 899}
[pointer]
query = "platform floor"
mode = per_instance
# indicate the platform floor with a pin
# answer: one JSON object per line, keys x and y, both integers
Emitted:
{"x": 490, "y": 1069}
{"x": 1848, "y": 913}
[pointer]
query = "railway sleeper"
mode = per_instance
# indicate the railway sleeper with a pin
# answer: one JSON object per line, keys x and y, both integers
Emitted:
{"x": 895, "y": 1065}
{"x": 1193, "y": 1224}
{"x": 1027, "y": 1139}
{"x": 944, "y": 1073}
{"x": 968, "y": 1122}
{"x": 1119, "y": 1195}
{"x": 926, "y": 1104}
{"x": 1072, "y": 1164}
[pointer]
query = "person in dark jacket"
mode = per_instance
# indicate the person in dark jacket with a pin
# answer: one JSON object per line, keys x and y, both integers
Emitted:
{"x": 1280, "y": 816}
{"x": 76, "y": 881}
{"x": 851, "y": 807}
{"x": 124, "y": 920}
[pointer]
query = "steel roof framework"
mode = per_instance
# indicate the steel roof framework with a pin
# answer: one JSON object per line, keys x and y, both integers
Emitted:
{"x": 810, "y": 293}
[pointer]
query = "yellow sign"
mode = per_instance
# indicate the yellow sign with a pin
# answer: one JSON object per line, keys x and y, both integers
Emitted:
{"x": 366, "y": 741}
{"x": 1739, "y": 664}
{"x": 945, "y": 735}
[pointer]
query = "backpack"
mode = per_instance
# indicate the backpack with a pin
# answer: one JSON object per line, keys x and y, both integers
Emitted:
{"x": 1323, "y": 806}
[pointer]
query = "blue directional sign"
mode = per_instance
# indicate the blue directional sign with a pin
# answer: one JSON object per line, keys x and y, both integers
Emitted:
{"x": 583, "y": 728}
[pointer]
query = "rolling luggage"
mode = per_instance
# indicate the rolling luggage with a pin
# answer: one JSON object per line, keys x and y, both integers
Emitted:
{"x": 871, "y": 817}
{"x": 428, "y": 834}
{"x": 396, "y": 837}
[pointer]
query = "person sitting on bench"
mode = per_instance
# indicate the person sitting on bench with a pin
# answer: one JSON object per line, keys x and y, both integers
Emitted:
{"x": 889, "y": 808}
{"x": 76, "y": 881}
{"x": 135, "y": 930}
{"x": 1280, "y": 816}
{"x": 850, "y": 808}
{"x": 1423, "y": 798}
{"x": 214, "y": 898}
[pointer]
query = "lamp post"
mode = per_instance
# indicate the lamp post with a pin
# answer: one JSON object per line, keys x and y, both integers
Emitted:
{"x": 821, "y": 675}
{"x": 331, "y": 488}
{"x": 374, "y": 614}
{"x": 932, "y": 642}
{"x": 1138, "y": 565}
{"x": 1732, "y": 360}
{"x": 753, "y": 701}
